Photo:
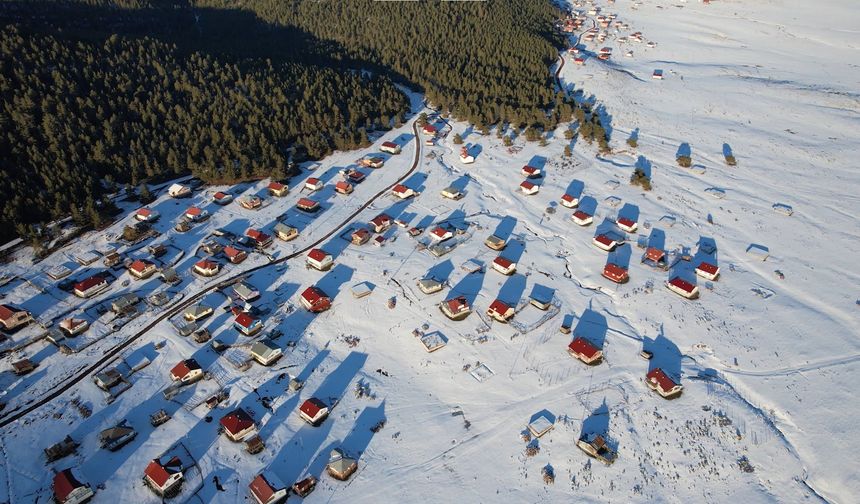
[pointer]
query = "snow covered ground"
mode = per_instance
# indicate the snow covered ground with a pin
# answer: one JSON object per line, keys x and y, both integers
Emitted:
{"x": 767, "y": 363}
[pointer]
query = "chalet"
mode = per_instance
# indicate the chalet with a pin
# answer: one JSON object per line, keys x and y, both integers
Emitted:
{"x": 237, "y": 425}
{"x": 197, "y": 312}
{"x": 255, "y": 445}
{"x": 234, "y": 255}
{"x": 12, "y": 317}
{"x": 251, "y": 202}
{"x": 141, "y": 269}
{"x": 569, "y": 200}
{"x": 658, "y": 381}
{"x": 90, "y": 286}
{"x": 615, "y": 273}
{"x": 304, "y": 487}
{"x": 164, "y": 479}
{"x": 343, "y": 187}
{"x": 265, "y": 352}
{"x": 594, "y": 445}
{"x": 319, "y": 259}
{"x": 278, "y": 189}
{"x": 429, "y": 129}
{"x": 23, "y": 366}
{"x": 72, "y": 326}
{"x": 245, "y": 291}
{"x": 355, "y": 177}
{"x": 340, "y": 466}
{"x": 528, "y": 188}
{"x": 146, "y": 215}
{"x": 115, "y": 438}
{"x": 360, "y": 236}
{"x": 495, "y": 243}
{"x": 452, "y": 192}
{"x": 315, "y": 300}
{"x": 456, "y": 308}
{"x": 628, "y": 225}
{"x": 584, "y": 350}
{"x": 206, "y": 268}
{"x": 604, "y": 242}
{"x": 107, "y": 378}
{"x": 112, "y": 258}
{"x": 403, "y": 192}
{"x": 504, "y": 265}
{"x": 285, "y": 232}
{"x": 500, "y": 311}
{"x": 212, "y": 247}
{"x": 381, "y": 223}
{"x": 582, "y": 218}
{"x": 195, "y": 214}
{"x": 222, "y": 198}
{"x": 247, "y": 324}
{"x": 707, "y": 270}
{"x": 314, "y": 184}
{"x": 531, "y": 171}
{"x": 308, "y": 205}
{"x": 157, "y": 249}
{"x": 654, "y": 257}
{"x": 372, "y": 162}
{"x": 68, "y": 489}
{"x": 658, "y": 74}
{"x": 390, "y": 147}
{"x": 125, "y": 303}
{"x": 258, "y": 238}
{"x": 683, "y": 288}
{"x": 429, "y": 285}
{"x": 313, "y": 411}
{"x": 179, "y": 191}
{"x": 440, "y": 234}
{"x": 268, "y": 489}
{"x": 465, "y": 157}
{"x": 182, "y": 226}
{"x": 187, "y": 371}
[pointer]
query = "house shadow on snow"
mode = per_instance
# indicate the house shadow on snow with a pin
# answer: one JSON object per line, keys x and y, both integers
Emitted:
{"x": 684, "y": 150}
{"x": 644, "y": 165}
{"x": 469, "y": 286}
{"x": 666, "y": 355}
{"x": 441, "y": 271}
{"x": 629, "y": 211}
{"x": 588, "y": 205}
{"x": 621, "y": 256}
{"x": 513, "y": 289}
{"x": 706, "y": 251}
{"x": 575, "y": 188}
{"x": 505, "y": 227}
{"x": 657, "y": 239}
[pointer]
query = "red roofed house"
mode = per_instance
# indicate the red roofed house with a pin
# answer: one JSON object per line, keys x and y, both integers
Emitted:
{"x": 278, "y": 189}
{"x": 238, "y": 424}
{"x": 315, "y": 300}
{"x": 456, "y": 308}
{"x": 69, "y": 490}
{"x": 222, "y": 198}
{"x": 343, "y": 187}
{"x": 582, "y": 218}
{"x": 707, "y": 270}
{"x": 91, "y": 286}
{"x": 626, "y": 224}
{"x": 654, "y": 255}
{"x": 583, "y": 350}
{"x": 187, "y": 371}
{"x": 260, "y": 239}
{"x": 360, "y": 236}
{"x": 308, "y": 205}
{"x": 146, "y": 215}
{"x": 142, "y": 268}
{"x": 12, "y": 317}
{"x": 320, "y": 259}
{"x": 195, "y": 214}
{"x": 683, "y": 288}
{"x": 615, "y": 273}
{"x": 531, "y": 171}
{"x": 569, "y": 201}
{"x": 528, "y": 188}
{"x": 164, "y": 479}
{"x": 234, "y": 255}
{"x": 314, "y": 184}
{"x": 206, "y": 267}
{"x": 440, "y": 234}
{"x": 267, "y": 489}
{"x": 247, "y": 324}
{"x": 429, "y": 129}
{"x": 660, "y": 382}
{"x": 579, "y": 60}
{"x": 500, "y": 311}
{"x": 504, "y": 265}
{"x": 390, "y": 147}
{"x": 604, "y": 242}
{"x": 313, "y": 411}
{"x": 403, "y": 192}
{"x": 381, "y": 222}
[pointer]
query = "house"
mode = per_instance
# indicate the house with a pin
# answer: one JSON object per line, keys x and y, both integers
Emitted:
{"x": 141, "y": 269}
{"x": 112, "y": 258}
{"x": 212, "y": 247}
{"x": 582, "y": 218}
{"x": 403, "y": 192}
{"x": 315, "y": 300}
{"x": 195, "y": 214}
{"x": 429, "y": 129}
{"x": 658, "y": 74}
{"x": 465, "y": 157}
{"x": 683, "y": 288}
{"x": 594, "y": 445}
{"x": 255, "y": 445}
{"x": 157, "y": 249}
{"x": 68, "y": 489}
{"x": 278, "y": 189}
{"x": 604, "y": 242}
{"x": 528, "y": 188}
{"x": 308, "y": 205}
{"x": 61, "y": 449}
{"x": 124, "y": 303}
{"x": 247, "y": 324}
{"x": 628, "y": 225}
{"x": 313, "y": 411}
{"x": 313, "y": 184}
{"x": 584, "y": 350}
{"x": 196, "y": 312}
{"x": 372, "y": 162}
{"x": 71, "y": 326}
{"x": 343, "y": 187}
{"x": 164, "y": 479}
{"x": 569, "y": 200}
{"x": 658, "y": 381}
{"x": 251, "y": 202}
{"x": 654, "y": 257}
{"x": 500, "y": 311}
{"x": 265, "y": 352}
{"x": 531, "y": 171}
{"x": 115, "y": 438}
{"x": 504, "y": 265}
{"x": 90, "y": 286}
{"x": 146, "y": 215}
{"x": 360, "y": 236}
{"x": 615, "y": 273}
{"x": 440, "y": 234}
{"x": 495, "y": 243}
{"x": 456, "y": 308}
{"x": 390, "y": 147}
{"x": 340, "y": 466}
{"x": 238, "y": 424}
{"x": 246, "y": 291}
{"x": 179, "y": 191}
{"x": 429, "y": 285}
{"x": 107, "y": 378}
{"x": 169, "y": 276}
{"x": 707, "y": 270}
{"x": 580, "y": 60}
{"x": 268, "y": 489}
{"x": 285, "y": 232}
{"x": 234, "y": 255}
{"x": 206, "y": 267}
{"x": 415, "y": 231}
{"x": 381, "y": 223}
{"x": 304, "y": 487}
{"x": 319, "y": 259}
{"x": 12, "y": 317}
{"x": 452, "y": 192}
{"x": 222, "y": 198}
{"x": 23, "y": 366}
{"x": 187, "y": 371}
{"x": 258, "y": 238}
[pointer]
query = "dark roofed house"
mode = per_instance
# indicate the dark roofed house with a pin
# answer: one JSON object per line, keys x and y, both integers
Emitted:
{"x": 340, "y": 466}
